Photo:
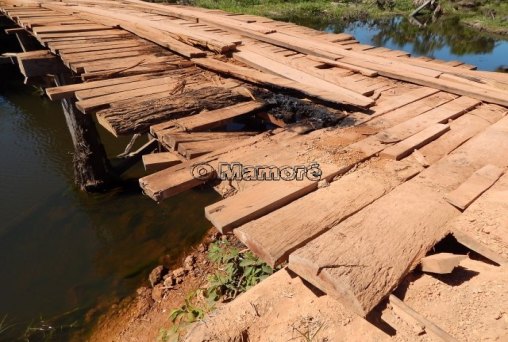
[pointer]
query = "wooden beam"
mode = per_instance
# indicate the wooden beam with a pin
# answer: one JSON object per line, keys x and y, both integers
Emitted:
{"x": 278, "y": 83}
{"x": 407, "y": 146}
{"x": 429, "y": 327}
{"x": 208, "y": 119}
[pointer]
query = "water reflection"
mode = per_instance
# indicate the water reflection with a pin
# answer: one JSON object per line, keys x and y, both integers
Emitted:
{"x": 435, "y": 36}
{"x": 446, "y": 39}
{"x": 63, "y": 252}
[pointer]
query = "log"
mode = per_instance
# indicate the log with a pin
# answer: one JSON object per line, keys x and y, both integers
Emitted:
{"x": 92, "y": 170}
{"x": 128, "y": 120}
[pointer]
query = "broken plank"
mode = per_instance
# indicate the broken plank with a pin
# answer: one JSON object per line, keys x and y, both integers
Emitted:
{"x": 441, "y": 263}
{"x": 475, "y": 245}
{"x": 193, "y": 149}
{"x": 172, "y": 181}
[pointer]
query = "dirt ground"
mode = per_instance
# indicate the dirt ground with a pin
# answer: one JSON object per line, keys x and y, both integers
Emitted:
{"x": 471, "y": 304}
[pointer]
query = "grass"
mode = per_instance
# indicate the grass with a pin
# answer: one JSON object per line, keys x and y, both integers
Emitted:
{"x": 320, "y": 10}
{"x": 4, "y": 326}
{"x": 235, "y": 272}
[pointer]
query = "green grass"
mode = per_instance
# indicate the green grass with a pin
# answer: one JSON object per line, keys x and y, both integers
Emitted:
{"x": 489, "y": 15}
{"x": 303, "y": 9}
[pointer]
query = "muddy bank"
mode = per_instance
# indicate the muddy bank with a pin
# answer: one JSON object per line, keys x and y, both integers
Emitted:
{"x": 142, "y": 316}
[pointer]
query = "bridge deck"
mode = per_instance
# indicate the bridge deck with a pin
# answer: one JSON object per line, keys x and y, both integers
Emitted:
{"x": 403, "y": 132}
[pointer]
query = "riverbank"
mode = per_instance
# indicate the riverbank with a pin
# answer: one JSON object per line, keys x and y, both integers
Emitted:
{"x": 489, "y": 16}
{"x": 214, "y": 272}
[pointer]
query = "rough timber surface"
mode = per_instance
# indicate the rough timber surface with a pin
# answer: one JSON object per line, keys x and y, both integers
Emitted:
{"x": 409, "y": 136}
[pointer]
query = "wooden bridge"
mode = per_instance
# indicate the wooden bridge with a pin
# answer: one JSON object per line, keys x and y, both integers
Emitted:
{"x": 410, "y": 149}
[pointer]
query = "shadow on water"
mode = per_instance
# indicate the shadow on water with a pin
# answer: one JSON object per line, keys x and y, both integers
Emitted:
{"x": 65, "y": 255}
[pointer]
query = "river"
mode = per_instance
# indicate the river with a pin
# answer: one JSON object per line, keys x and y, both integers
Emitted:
{"x": 66, "y": 255}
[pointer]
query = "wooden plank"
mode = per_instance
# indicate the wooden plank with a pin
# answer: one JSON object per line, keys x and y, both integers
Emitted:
{"x": 173, "y": 140}
{"x": 461, "y": 130}
{"x": 274, "y": 236}
{"x": 136, "y": 25}
{"x": 131, "y": 85}
{"x": 114, "y": 52}
{"x": 80, "y": 35}
{"x": 400, "y": 101}
{"x": 407, "y": 146}
{"x": 154, "y": 162}
{"x": 68, "y": 28}
{"x": 304, "y": 75}
{"x": 474, "y": 244}
{"x": 429, "y": 327}
{"x": 208, "y": 119}
{"x": 94, "y": 46}
{"x": 129, "y": 64}
{"x": 87, "y": 105}
{"x": 193, "y": 149}
{"x": 441, "y": 114}
{"x": 58, "y": 93}
{"x": 441, "y": 263}
{"x": 172, "y": 181}
{"x": 361, "y": 70}
{"x": 396, "y": 230}
{"x": 274, "y": 82}
{"x": 474, "y": 186}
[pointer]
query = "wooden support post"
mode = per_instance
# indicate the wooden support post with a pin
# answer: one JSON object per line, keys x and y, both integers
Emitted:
{"x": 25, "y": 40}
{"x": 92, "y": 169}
